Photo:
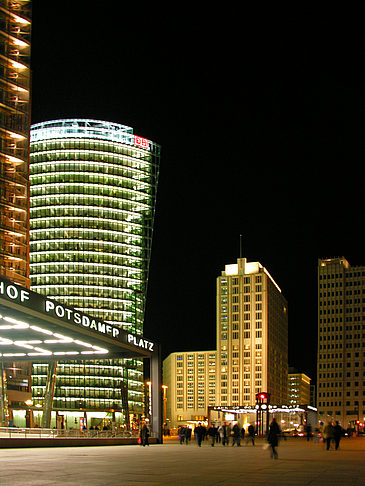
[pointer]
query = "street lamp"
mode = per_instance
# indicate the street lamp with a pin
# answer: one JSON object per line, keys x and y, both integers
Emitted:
{"x": 164, "y": 388}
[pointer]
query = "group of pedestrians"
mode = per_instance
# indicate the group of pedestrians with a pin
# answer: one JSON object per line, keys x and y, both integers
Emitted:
{"x": 332, "y": 433}
{"x": 222, "y": 434}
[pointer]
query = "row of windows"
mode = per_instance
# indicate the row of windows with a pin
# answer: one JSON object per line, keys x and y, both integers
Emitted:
{"x": 91, "y": 144}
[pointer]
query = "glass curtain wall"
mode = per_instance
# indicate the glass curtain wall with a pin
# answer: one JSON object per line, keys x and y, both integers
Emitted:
{"x": 93, "y": 196}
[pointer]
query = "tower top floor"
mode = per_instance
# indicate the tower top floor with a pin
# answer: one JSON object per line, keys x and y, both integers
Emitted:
{"x": 243, "y": 267}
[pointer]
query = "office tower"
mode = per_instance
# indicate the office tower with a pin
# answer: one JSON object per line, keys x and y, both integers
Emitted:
{"x": 190, "y": 377}
{"x": 341, "y": 341}
{"x": 299, "y": 388}
{"x": 93, "y": 196}
{"x": 15, "y": 29}
{"x": 252, "y": 335}
{"x": 252, "y": 349}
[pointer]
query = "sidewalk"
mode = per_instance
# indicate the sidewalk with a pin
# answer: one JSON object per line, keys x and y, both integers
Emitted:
{"x": 300, "y": 463}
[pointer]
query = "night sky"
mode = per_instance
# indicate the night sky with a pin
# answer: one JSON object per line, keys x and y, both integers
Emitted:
{"x": 260, "y": 123}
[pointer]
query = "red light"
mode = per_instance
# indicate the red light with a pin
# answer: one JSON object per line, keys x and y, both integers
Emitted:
{"x": 141, "y": 142}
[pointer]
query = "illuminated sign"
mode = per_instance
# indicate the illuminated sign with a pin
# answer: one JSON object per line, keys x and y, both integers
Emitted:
{"x": 37, "y": 302}
{"x": 141, "y": 142}
{"x": 80, "y": 319}
{"x": 140, "y": 342}
{"x": 14, "y": 292}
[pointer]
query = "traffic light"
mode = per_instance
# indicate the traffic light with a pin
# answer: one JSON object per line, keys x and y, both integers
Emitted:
{"x": 263, "y": 397}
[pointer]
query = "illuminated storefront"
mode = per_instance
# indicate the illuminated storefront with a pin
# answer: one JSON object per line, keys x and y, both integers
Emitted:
{"x": 93, "y": 197}
{"x": 34, "y": 327}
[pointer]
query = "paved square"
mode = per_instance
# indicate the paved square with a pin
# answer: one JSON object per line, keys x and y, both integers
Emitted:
{"x": 300, "y": 463}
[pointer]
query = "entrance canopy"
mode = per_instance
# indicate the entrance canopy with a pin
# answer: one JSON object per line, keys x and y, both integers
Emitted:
{"x": 33, "y": 327}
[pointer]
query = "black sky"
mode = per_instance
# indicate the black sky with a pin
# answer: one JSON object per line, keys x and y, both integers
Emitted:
{"x": 261, "y": 128}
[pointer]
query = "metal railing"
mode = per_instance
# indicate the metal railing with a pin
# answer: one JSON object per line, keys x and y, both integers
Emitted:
{"x": 39, "y": 433}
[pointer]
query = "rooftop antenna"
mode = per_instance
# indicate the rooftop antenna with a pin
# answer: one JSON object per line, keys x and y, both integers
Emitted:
{"x": 240, "y": 246}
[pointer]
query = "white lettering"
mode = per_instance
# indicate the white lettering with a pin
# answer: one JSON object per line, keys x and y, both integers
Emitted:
{"x": 93, "y": 325}
{"x": 59, "y": 311}
{"x": 77, "y": 318}
{"x": 12, "y": 292}
{"x": 140, "y": 342}
{"x": 49, "y": 305}
{"x": 68, "y": 312}
{"x": 24, "y": 295}
{"x": 108, "y": 329}
{"x": 115, "y": 332}
{"x": 85, "y": 321}
{"x": 101, "y": 327}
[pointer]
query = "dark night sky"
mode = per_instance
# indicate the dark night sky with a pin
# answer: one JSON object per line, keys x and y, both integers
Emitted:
{"x": 261, "y": 129}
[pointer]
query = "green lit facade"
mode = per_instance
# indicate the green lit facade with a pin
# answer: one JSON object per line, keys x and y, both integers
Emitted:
{"x": 93, "y": 197}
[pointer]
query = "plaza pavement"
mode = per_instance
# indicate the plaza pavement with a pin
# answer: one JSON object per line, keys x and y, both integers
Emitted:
{"x": 300, "y": 463}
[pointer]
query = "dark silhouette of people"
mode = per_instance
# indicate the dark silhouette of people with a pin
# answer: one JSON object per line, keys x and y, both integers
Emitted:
{"x": 273, "y": 438}
{"x": 329, "y": 435}
{"x": 199, "y": 433}
{"x": 224, "y": 432}
{"x": 251, "y": 434}
{"x": 308, "y": 429}
{"x": 144, "y": 435}
{"x": 236, "y": 435}
{"x": 182, "y": 434}
{"x": 212, "y": 432}
{"x": 337, "y": 434}
{"x": 187, "y": 435}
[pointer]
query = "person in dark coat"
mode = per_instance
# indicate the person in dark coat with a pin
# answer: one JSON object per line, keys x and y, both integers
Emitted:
{"x": 273, "y": 438}
{"x": 199, "y": 433}
{"x": 187, "y": 435}
{"x": 337, "y": 434}
{"x": 236, "y": 435}
{"x": 182, "y": 434}
{"x": 145, "y": 433}
{"x": 251, "y": 434}
{"x": 212, "y": 432}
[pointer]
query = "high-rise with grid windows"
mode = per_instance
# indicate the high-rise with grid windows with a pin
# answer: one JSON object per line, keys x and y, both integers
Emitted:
{"x": 93, "y": 196}
{"x": 341, "y": 341}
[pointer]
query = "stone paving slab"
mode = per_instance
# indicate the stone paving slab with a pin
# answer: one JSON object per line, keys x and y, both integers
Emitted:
{"x": 300, "y": 463}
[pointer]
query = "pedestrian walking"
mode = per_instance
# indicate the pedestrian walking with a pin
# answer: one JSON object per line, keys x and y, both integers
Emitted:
{"x": 144, "y": 435}
{"x": 251, "y": 434}
{"x": 337, "y": 434}
{"x": 187, "y": 435}
{"x": 273, "y": 438}
{"x": 224, "y": 432}
{"x": 308, "y": 429}
{"x": 329, "y": 435}
{"x": 182, "y": 434}
{"x": 199, "y": 433}
{"x": 212, "y": 432}
{"x": 316, "y": 435}
{"x": 243, "y": 432}
{"x": 236, "y": 435}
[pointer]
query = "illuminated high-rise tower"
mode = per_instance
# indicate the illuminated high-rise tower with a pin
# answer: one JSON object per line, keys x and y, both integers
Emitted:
{"x": 15, "y": 29}
{"x": 93, "y": 196}
{"x": 252, "y": 335}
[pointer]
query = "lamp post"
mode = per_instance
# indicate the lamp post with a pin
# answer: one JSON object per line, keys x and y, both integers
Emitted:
{"x": 149, "y": 384}
{"x": 164, "y": 388}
